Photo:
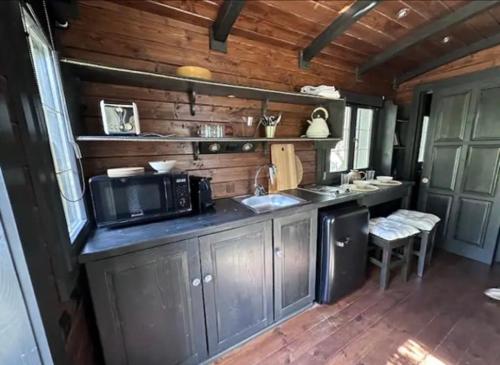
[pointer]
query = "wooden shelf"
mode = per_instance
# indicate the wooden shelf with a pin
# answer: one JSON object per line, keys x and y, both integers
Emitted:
{"x": 402, "y": 120}
{"x": 115, "y": 75}
{"x": 194, "y": 139}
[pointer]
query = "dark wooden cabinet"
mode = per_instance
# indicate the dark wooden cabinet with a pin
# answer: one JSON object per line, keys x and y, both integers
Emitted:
{"x": 149, "y": 306}
{"x": 295, "y": 241}
{"x": 186, "y": 301}
{"x": 237, "y": 283}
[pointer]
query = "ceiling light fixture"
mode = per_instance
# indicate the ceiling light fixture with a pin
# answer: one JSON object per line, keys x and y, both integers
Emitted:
{"x": 403, "y": 12}
{"x": 446, "y": 39}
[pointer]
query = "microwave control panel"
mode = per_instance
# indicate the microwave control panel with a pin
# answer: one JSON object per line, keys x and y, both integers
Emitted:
{"x": 182, "y": 198}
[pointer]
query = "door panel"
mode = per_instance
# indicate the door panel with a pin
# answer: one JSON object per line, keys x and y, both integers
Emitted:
{"x": 148, "y": 309}
{"x": 460, "y": 181}
{"x": 472, "y": 220}
{"x": 295, "y": 242}
{"x": 488, "y": 116}
{"x": 452, "y": 117}
{"x": 482, "y": 169}
{"x": 440, "y": 205}
{"x": 444, "y": 167}
{"x": 237, "y": 272}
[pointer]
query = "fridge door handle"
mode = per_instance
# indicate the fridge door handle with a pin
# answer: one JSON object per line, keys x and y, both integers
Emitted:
{"x": 343, "y": 243}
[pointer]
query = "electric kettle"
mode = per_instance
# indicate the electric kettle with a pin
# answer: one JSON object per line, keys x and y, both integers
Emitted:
{"x": 318, "y": 127}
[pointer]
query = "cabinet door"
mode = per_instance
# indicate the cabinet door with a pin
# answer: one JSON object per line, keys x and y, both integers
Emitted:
{"x": 237, "y": 284}
{"x": 294, "y": 262}
{"x": 149, "y": 306}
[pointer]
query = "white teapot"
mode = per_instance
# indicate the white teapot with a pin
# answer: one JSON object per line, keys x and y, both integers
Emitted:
{"x": 318, "y": 127}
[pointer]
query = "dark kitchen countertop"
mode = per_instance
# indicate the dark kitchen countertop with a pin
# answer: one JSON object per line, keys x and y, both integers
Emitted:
{"x": 228, "y": 213}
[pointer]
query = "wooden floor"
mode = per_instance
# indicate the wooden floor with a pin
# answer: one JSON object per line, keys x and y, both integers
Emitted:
{"x": 443, "y": 319}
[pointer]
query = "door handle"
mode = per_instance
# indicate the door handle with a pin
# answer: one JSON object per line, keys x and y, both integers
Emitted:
{"x": 208, "y": 278}
{"x": 425, "y": 180}
{"x": 343, "y": 243}
{"x": 279, "y": 252}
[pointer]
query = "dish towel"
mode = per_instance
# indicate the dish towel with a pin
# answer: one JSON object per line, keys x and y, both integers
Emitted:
{"x": 391, "y": 230}
{"x": 322, "y": 90}
{"x": 420, "y": 220}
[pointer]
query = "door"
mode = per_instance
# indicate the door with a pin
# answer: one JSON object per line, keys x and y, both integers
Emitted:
{"x": 149, "y": 306}
{"x": 461, "y": 168}
{"x": 237, "y": 284}
{"x": 19, "y": 315}
{"x": 295, "y": 241}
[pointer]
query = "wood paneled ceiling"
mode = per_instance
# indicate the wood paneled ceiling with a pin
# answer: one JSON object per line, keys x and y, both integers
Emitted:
{"x": 293, "y": 24}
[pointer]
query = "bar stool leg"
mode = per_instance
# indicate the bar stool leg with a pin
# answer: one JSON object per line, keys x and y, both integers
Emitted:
{"x": 407, "y": 254}
{"x": 385, "y": 270}
{"x": 422, "y": 255}
{"x": 432, "y": 240}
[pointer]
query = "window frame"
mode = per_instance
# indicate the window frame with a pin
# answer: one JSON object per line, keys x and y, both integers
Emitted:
{"x": 60, "y": 111}
{"x": 64, "y": 250}
{"x": 324, "y": 175}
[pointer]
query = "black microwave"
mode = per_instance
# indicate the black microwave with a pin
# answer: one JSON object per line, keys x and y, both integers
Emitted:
{"x": 119, "y": 201}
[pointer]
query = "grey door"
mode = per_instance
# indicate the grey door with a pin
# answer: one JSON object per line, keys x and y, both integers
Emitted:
{"x": 19, "y": 345}
{"x": 461, "y": 168}
{"x": 295, "y": 241}
{"x": 149, "y": 306}
{"x": 237, "y": 284}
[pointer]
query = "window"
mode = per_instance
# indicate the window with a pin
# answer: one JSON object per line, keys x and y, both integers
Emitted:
{"x": 62, "y": 145}
{"x": 423, "y": 138}
{"x": 340, "y": 154}
{"x": 362, "y": 141}
{"x": 354, "y": 150}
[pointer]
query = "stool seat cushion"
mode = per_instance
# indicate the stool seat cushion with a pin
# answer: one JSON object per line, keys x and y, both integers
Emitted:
{"x": 420, "y": 220}
{"x": 391, "y": 230}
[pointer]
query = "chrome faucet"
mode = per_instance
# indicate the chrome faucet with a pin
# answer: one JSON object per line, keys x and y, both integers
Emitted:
{"x": 259, "y": 189}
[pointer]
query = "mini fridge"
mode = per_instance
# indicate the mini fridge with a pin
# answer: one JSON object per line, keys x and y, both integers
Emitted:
{"x": 342, "y": 251}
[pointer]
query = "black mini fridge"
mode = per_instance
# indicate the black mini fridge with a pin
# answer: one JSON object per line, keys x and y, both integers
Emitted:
{"x": 342, "y": 251}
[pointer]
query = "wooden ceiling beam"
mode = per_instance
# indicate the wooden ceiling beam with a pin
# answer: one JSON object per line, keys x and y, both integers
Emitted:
{"x": 450, "y": 57}
{"x": 463, "y": 13}
{"x": 228, "y": 13}
{"x": 336, "y": 28}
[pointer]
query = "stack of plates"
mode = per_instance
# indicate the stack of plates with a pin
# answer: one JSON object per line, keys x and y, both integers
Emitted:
{"x": 362, "y": 188}
{"x": 385, "y": 183}
{"x": 125, "y": 171}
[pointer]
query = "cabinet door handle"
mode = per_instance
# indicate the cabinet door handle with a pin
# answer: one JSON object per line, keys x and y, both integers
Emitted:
{"x": 196, "y": 282}
{"x": 279, "y": 252}
{"x": 208, "y": 278}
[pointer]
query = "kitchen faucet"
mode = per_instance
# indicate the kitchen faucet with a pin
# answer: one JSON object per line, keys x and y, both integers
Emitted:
{"x": 259, "y": 189}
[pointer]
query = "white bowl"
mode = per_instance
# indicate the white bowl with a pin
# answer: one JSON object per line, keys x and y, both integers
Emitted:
{"x": 384, "y": 178}
{"x": 361, "y": 182}
{"x": 162, "y": 166}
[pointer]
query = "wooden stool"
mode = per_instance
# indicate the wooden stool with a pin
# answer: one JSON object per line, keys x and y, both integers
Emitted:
{"x": 427, "y": 224}
{"x": 391, "y": 259}
{"x": 390, "y": 236}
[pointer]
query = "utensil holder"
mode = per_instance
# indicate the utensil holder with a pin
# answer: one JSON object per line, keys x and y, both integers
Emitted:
{"x": 270, "y": 131}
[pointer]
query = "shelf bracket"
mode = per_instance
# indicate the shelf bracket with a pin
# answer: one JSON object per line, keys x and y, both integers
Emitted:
{"x": 196, "y": 151}
{"x": 192, "y": 102}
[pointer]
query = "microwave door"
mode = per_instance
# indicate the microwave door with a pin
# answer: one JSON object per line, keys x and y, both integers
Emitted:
{"x": 138, "y": 198}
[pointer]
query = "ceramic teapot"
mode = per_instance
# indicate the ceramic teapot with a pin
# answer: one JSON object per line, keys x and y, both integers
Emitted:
{"x": 356, "y": 175}
{"x": 318, "y": 127}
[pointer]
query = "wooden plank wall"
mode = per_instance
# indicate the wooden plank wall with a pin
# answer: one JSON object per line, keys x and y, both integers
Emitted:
{"x": 113, "y": 34}
{"x": 478, "y": 61}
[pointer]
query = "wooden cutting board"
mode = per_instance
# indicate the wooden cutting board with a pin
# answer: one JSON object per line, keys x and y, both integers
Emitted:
{"x": 283, "y": 157}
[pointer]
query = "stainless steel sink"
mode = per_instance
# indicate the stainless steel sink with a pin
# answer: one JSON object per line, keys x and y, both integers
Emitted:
{"x": 267, "y": 203}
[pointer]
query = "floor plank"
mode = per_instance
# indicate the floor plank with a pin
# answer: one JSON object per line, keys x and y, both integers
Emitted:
{"x": 443, "y": 319}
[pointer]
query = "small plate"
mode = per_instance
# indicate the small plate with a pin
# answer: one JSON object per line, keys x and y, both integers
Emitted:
{"x": 386, "y": 183}
{"x": 125, "y": 171}
{"x": 362, "y": 188}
